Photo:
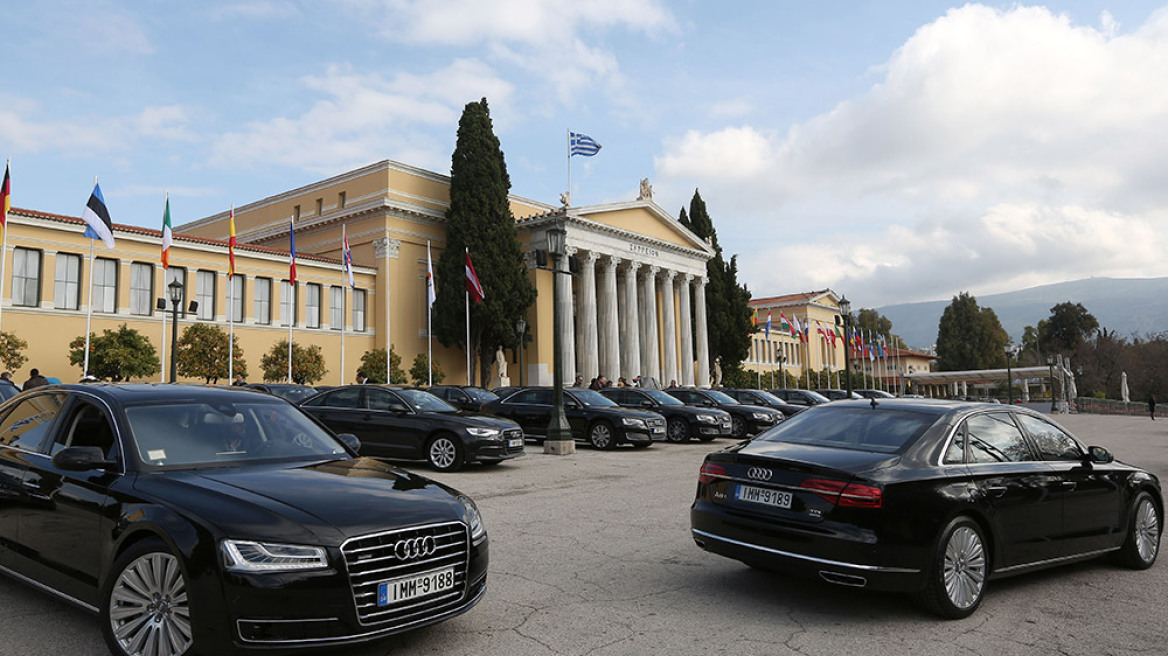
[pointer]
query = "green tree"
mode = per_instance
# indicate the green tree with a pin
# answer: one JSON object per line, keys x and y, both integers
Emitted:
{"x": 420, "y": 372}
{"x": 1067, "y": 328}
{"x": 202, "y": 353}
{"x": 12, "y": 351}
{"x": 307, "y": 363}
{"x": 117, "y": 355}
{"x": 970, "y": 337}
{"x": 480, "y": 220}
{"x": 871, "y": 322}
{"x": 728, "y": 313}
{"x": 373, "y": 364}
{"x": 1031, "y": 352}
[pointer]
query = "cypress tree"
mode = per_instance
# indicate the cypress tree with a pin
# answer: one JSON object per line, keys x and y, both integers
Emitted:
{"x": 480, "y": 219}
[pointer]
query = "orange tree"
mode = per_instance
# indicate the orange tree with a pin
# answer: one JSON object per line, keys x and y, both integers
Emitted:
{"x": 118, "y": 355}
{"x": 307, "y": 363}
{"x": 373, "y": 364}
{"x": 202, "y": 353}
{"x": 420, "y": 372}
{"x": 12, "y": 351}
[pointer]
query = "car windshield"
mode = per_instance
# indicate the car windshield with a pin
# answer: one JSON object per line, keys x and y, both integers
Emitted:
{"x": 590, "y": 397}
{"x": 292, "y": 393}
{"x": 422, "y": 401}
{"x": 862, "y": 428}
{"x": 722, "y": 397}
{"x": 767, "y": 396}
{"x": 662, "y": 397}
{"x": 819, "y": 398}
{"x": 480, "y": 395}
{"x": 191, "y": 434}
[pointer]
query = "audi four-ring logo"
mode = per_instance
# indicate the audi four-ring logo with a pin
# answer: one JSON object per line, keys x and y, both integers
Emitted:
{"x": 411, "y": 548}
{"x": 759, "y": 473}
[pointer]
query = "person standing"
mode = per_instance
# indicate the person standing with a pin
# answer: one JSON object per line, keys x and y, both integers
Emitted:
{"x": 240, "y": 381}
{"x": 1152, "y": 406}
{"x": 362, "y": 379}
{"x": 35, "y": 379}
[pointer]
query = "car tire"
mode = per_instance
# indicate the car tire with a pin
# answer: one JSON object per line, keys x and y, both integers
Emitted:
{"x": 642, "y": 445}
{"x": 601, "y": 436}
{"x": 706, "y": 438}
{"x": 1142, "y": 545}
{"x": 677, "y": 430}
{"x": 444, "y": 453}
{"x": 958, "y": 573}
{"x": 737, "y": 427}
{"x": 144, "y": 603}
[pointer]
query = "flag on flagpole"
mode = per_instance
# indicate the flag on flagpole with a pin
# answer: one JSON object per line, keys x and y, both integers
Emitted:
{"x": 768, "y": 326}
{"x": 291, "y": 255}
{"x": 97, "y": 219}
{"x": 473, "y": 286}
{"x": 166, "y": 234}
{"x": 6, "y": 195}
{"x": 785, "y": 325}
{"x": 430, "y": 296}
{"x": 231, "y": 246}
{"x": 582, "y": 144}
{"x": 795, "y": 329}
{"x": 347, "y": 256}
{"x": 754, "y": 318}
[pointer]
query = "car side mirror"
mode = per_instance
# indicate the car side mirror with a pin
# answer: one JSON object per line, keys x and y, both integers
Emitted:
{"x": 571, "y": 405}
{"x": 1099, "y": 454}
{"x": 647, "y": 404}
{"x": 81, "y": 458}
{"x": 350, "y": 440}
{"x": 397, "y": 407}
{"x": 708, "y": 403}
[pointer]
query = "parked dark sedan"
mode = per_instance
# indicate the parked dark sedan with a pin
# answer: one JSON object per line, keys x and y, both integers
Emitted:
{"x": 411, "y": 424}
{"x": 933, "y": 498}
{"x": 745, "y": 420}
{"x": 875, "y": 394}
{"x": 195, "y": 519}
{"x": 463, "y": 397}
{"x": 802, "y": 397}
{"x": 837, "y": 394}
{"x": 765, "y": 399}
{"x": 289, "y": 392}
{"x": 594, "y": 418}
{"x": 682, "y": 422}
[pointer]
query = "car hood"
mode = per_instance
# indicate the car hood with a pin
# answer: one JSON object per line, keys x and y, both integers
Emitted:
{"x": 466, "y": 418}
{"x": 317, "y": 503}
{"x": 849, "y": 461}
{"x": 746, "y": 407}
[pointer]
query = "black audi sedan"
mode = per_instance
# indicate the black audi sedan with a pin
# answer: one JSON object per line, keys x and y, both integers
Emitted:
{"x": 932, "y": 498}
{"x": 682, "y": 422}
{"x": 745, "y": 419}
{"x": 594, "y": 419}
{"x": 290, "y": 392}
{"x": 801, "y": 397}
{"x": 763, "y": 398}
{"x": 412, "y": 424}
{"x": 201, "y": 520}
{"x": 463, "y": 397}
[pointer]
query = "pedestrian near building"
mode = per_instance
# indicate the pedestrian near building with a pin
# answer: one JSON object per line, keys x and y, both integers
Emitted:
{"x": 362, "y": 378}
{"x": 1152, "y": 406}
{"x": 35, "y": 379}
{"x": 240, "y": 381}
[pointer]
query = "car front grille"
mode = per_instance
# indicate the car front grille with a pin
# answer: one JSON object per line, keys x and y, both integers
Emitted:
{"x": 725, "y": 422}
{"x": 371, "y": 560}
{"x": 513, "y": 434}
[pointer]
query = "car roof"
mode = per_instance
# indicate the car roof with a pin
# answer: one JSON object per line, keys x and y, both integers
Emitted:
{"x": 133, "y": 393}
{"x": 936, "y": 406}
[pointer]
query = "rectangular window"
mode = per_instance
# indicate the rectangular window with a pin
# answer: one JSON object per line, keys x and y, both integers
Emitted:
{"x": 105, "y": 285}
{"x": 67, "y": 284}
{"x": 359, "y": 310}
{"x": 319, "y": 206}
{"x": 341, "y": 199}
{"x": 141, "y": 288}
{"x": 296, "y": 213}
{"x": 312, "y": 305}
{"x": 26, "y": 277}
{"x": 179, "y": 275}
{"x": 287, "y": 304}
{"x": 236, "y": 300}
{"x": 205, "y": 294}
{"x": 263, "y": 301}
{"x": 336, "y": 307}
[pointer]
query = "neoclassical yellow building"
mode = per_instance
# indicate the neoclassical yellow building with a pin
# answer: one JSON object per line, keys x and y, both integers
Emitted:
{"x": 627, "y": 312}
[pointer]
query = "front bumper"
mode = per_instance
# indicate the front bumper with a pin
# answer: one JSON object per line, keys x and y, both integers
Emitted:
{"x": 482, "y": 450}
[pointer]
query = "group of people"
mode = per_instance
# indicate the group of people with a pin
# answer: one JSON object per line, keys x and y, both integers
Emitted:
{"x": 601, "y": 382}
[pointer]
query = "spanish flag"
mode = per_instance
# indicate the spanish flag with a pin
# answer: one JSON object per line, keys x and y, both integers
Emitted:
{"x": 231, "y": 247}
{"x": 5, "y": 196}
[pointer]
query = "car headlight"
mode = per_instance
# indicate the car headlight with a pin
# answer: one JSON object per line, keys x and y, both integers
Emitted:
{"x": 708, "y": 419}
{"x": 763, "y": 416}
{"x": 633, "y": 422}
{"x": 483, "y": 432}
{"x": 260, "y": 557}
{"x": 473, "y": 519}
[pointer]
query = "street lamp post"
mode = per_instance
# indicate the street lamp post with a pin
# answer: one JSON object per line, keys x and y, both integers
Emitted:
{"x": 1009, "y": 377}
{"x": 175, "y": 292}
{"x": 521, "y": 330}
{"x": 1050, "y": 364}
{"x": 559, "y": 433}
{"x": 845, "y": 307}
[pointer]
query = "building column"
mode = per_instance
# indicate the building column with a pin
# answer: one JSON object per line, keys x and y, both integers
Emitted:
{"x": 687, "y": 362}
{"x": 703, "y": 379}
{"x": 650, "y": 358}
{"x": 609, "y": 326}
{"x": 669, "y": 329}
{"x": 586, "y": 318}
{"x": 630, "y": 326}
{"x": 564, "y": 309}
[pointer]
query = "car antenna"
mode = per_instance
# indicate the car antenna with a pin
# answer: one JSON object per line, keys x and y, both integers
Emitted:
{"x": 874, "y": 404}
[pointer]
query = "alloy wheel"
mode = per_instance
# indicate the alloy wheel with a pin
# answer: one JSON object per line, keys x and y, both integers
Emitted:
{"x": 443, "y": 453}
{"x": 148, "y": 610}
{"x": 600, "y": 436}
{"x": 1147, "y": 531}
{"x": 965, "y": 567}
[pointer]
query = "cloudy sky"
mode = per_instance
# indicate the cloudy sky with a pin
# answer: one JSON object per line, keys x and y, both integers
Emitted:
{"x": 894, "y": 152}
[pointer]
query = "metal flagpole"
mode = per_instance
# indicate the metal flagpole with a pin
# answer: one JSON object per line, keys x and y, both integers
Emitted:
{"x": 291, "y": 320}
{"x": 344, "y": 295}
{"x": 89, "y": 308}
{"x": 466, "y": 301}
{"x": 569, "y": 193}
{"x": 429, "y": 319}
{"x": 4, "y": 246}
{"x": 231, "y": 304}
{"x": 162, "y": 362}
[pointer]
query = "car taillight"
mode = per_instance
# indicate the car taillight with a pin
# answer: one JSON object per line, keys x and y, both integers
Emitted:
{"x": 842, "y": 493}
{"x": 710, "y": 472}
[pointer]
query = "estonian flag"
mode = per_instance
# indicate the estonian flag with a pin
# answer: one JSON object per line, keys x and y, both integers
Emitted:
{"x": 97, "y": 219}
{"x": 582, "y": 144}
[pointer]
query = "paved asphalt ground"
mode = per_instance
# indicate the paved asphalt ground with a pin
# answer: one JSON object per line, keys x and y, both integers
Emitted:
{"x": 591, "y": 555}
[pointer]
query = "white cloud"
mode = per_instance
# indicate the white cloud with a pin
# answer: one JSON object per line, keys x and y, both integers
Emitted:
{"x": 22, "y": 125}
{"x": 998, "y": 146}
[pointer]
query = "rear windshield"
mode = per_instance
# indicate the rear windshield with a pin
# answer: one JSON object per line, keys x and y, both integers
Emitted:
{"x": 861, "y": 428}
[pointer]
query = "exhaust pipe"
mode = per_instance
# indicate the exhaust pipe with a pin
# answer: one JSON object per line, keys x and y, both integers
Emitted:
{"x": 849, "y": 580}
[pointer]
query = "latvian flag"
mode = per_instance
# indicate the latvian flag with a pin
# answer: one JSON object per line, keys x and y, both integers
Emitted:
{"x": 473, "y": 286}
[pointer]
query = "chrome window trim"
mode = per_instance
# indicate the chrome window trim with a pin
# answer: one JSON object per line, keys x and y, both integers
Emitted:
{"x": 940, "y": 458}
{"x": 813, "y": 559}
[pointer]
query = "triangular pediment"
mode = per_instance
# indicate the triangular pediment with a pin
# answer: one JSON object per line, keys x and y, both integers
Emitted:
{"x": 644, "y": 218}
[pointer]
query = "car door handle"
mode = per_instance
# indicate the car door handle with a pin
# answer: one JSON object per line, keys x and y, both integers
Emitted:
{"x": 996, "y": 490}
{"x": 1068, "y": 485}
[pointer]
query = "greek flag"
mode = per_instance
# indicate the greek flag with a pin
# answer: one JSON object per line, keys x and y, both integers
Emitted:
{"x": 582, "y": 144}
